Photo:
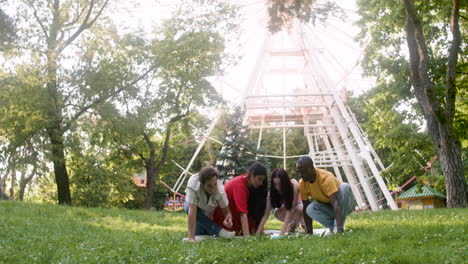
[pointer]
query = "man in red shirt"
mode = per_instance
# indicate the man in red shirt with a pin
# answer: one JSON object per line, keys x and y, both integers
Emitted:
{"x": 246, "y": 192}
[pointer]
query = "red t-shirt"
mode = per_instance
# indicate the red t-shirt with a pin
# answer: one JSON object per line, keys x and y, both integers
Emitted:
{"x": 238, "y": 196}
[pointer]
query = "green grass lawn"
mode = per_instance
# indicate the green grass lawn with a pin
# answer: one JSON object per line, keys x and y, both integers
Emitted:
{"x": 36, "y": 233}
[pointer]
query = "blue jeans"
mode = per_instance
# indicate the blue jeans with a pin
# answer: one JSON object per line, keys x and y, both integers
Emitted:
{"x": 323, "y": 212}
{"x": 204, "y": 225}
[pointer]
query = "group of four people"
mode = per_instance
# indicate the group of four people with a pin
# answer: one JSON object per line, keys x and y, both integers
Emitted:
{"x": 242, "y": 206}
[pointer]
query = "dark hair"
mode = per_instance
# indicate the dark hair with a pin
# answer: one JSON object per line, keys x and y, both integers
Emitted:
{"x": 257, "y": 197}
{"x": 257, "y": 169}
{"x": 206, "y": 174}
{"x": 306, "y": 160}
{"x": 286, "y": 188}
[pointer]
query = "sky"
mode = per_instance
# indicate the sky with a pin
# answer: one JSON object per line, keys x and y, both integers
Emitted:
{"x": 337, "y": 53}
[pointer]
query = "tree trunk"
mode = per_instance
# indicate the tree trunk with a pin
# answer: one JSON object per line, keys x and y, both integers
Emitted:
{"x": 22, "y": 188}
{"x": 452, "y": 168}
{"x": 24, "y": 181}
{"x": 152, "y": 171}
{"x": 13, "y": 181}
{"x": 60, "y": 168}
{"x": 54, "y": 35}
{"x": 54, "y": 114}
{"x": 3, "y": 195}
{"x": 150, "y": 174}
{"x": 439, "y": 121}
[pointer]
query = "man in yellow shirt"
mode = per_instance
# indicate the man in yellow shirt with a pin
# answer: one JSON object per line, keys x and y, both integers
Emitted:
{"x": 334, "y": 199}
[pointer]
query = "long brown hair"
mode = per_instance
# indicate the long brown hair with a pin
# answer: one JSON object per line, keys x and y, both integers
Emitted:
{"x": 286, "y": 187}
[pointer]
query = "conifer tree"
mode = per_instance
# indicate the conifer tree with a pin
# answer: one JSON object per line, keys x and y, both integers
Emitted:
{"x": 238, "y": 151}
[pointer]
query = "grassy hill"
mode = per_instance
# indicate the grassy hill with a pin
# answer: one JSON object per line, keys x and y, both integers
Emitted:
{"x": 38, "y": 233}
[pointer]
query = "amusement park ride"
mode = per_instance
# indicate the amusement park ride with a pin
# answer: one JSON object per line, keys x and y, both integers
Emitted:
{"x": 289, "y": 88}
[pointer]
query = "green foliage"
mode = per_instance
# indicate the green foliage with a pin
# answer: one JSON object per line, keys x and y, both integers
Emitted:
{"x": 57, "y": 234}
{"x": 272, "y": 144}
{"x": 111, "y": 89}
{"x": 389, "y": 114}
{"x": 433, "y": 177}
{"x": 7, "y": 30}
{"x": 238, "y": 151}
{"x": 43, "y": 190}
{"x": 97, "y": 183}
{"x": 282, "y": 13}
{"x": 394, "y": 132}
{"x": 22, "y": 116}
{"x": 101, "y": 171}
{"x": 22, "y": 104}
{"x": 384, "y": 40}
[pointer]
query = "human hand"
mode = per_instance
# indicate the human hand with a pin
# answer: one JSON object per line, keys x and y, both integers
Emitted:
{"x": 192, "y": 240}
{"x": 228, "y": 221}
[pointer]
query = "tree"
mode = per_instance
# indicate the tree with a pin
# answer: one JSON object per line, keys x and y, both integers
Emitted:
{"x": 392, "y": 126}
{"x": 238, "y": 150}
{"x": 439, "y": 114}
{"x": 58, "y": 32}
{"x": 7, "y": 29}
{"x": 187, "y": 50}
{"x": 433, "y": 63}
{"x": 283, "y": 12}
{"x": 55, "y": 26}
{"x": 21, "y": 119}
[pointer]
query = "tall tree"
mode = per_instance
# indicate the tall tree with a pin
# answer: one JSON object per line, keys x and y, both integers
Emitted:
{"x": 188, "y": 49}
{"x": 48, "y": 28}
{"x": 73, "y": 85}
{"x": 433, "y": 46}
{"x": 188, "y": 55}
{"x": 21, "y": 119}
{"x": 238, "y": 149}
{"x": 439, "y": 113}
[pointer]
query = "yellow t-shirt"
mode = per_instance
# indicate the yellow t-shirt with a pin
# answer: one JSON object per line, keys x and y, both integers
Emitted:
{"x": 324, "y": 185}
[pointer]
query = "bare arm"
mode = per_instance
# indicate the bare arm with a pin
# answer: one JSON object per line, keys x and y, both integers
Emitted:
{"x": 287, "y": 219}
{"x": 337, "y": 209}
{"x": 265, "y": 217}
{"x": 289, "y": 213}
{"x": 307, "y": 219}
{"x": 227, "y": 216}
{"x": 192, "y": 218}
{"x": 244, "y": 224}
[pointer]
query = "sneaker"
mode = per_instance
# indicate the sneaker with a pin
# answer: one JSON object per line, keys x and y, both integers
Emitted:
{"x": 335, "y": 229}
{"x": 225, "y": 233}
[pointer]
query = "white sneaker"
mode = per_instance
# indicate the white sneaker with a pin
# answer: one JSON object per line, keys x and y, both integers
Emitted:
{"x": 335, "y": 229}
{"x": 225, "y": 233}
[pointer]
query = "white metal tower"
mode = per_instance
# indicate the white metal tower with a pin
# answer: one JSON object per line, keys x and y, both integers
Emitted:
{"x": 300, "y": 95}
{"x": 291, "y": 88}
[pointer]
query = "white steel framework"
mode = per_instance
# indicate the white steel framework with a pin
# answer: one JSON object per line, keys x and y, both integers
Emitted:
{"x": 289, "y": 89}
